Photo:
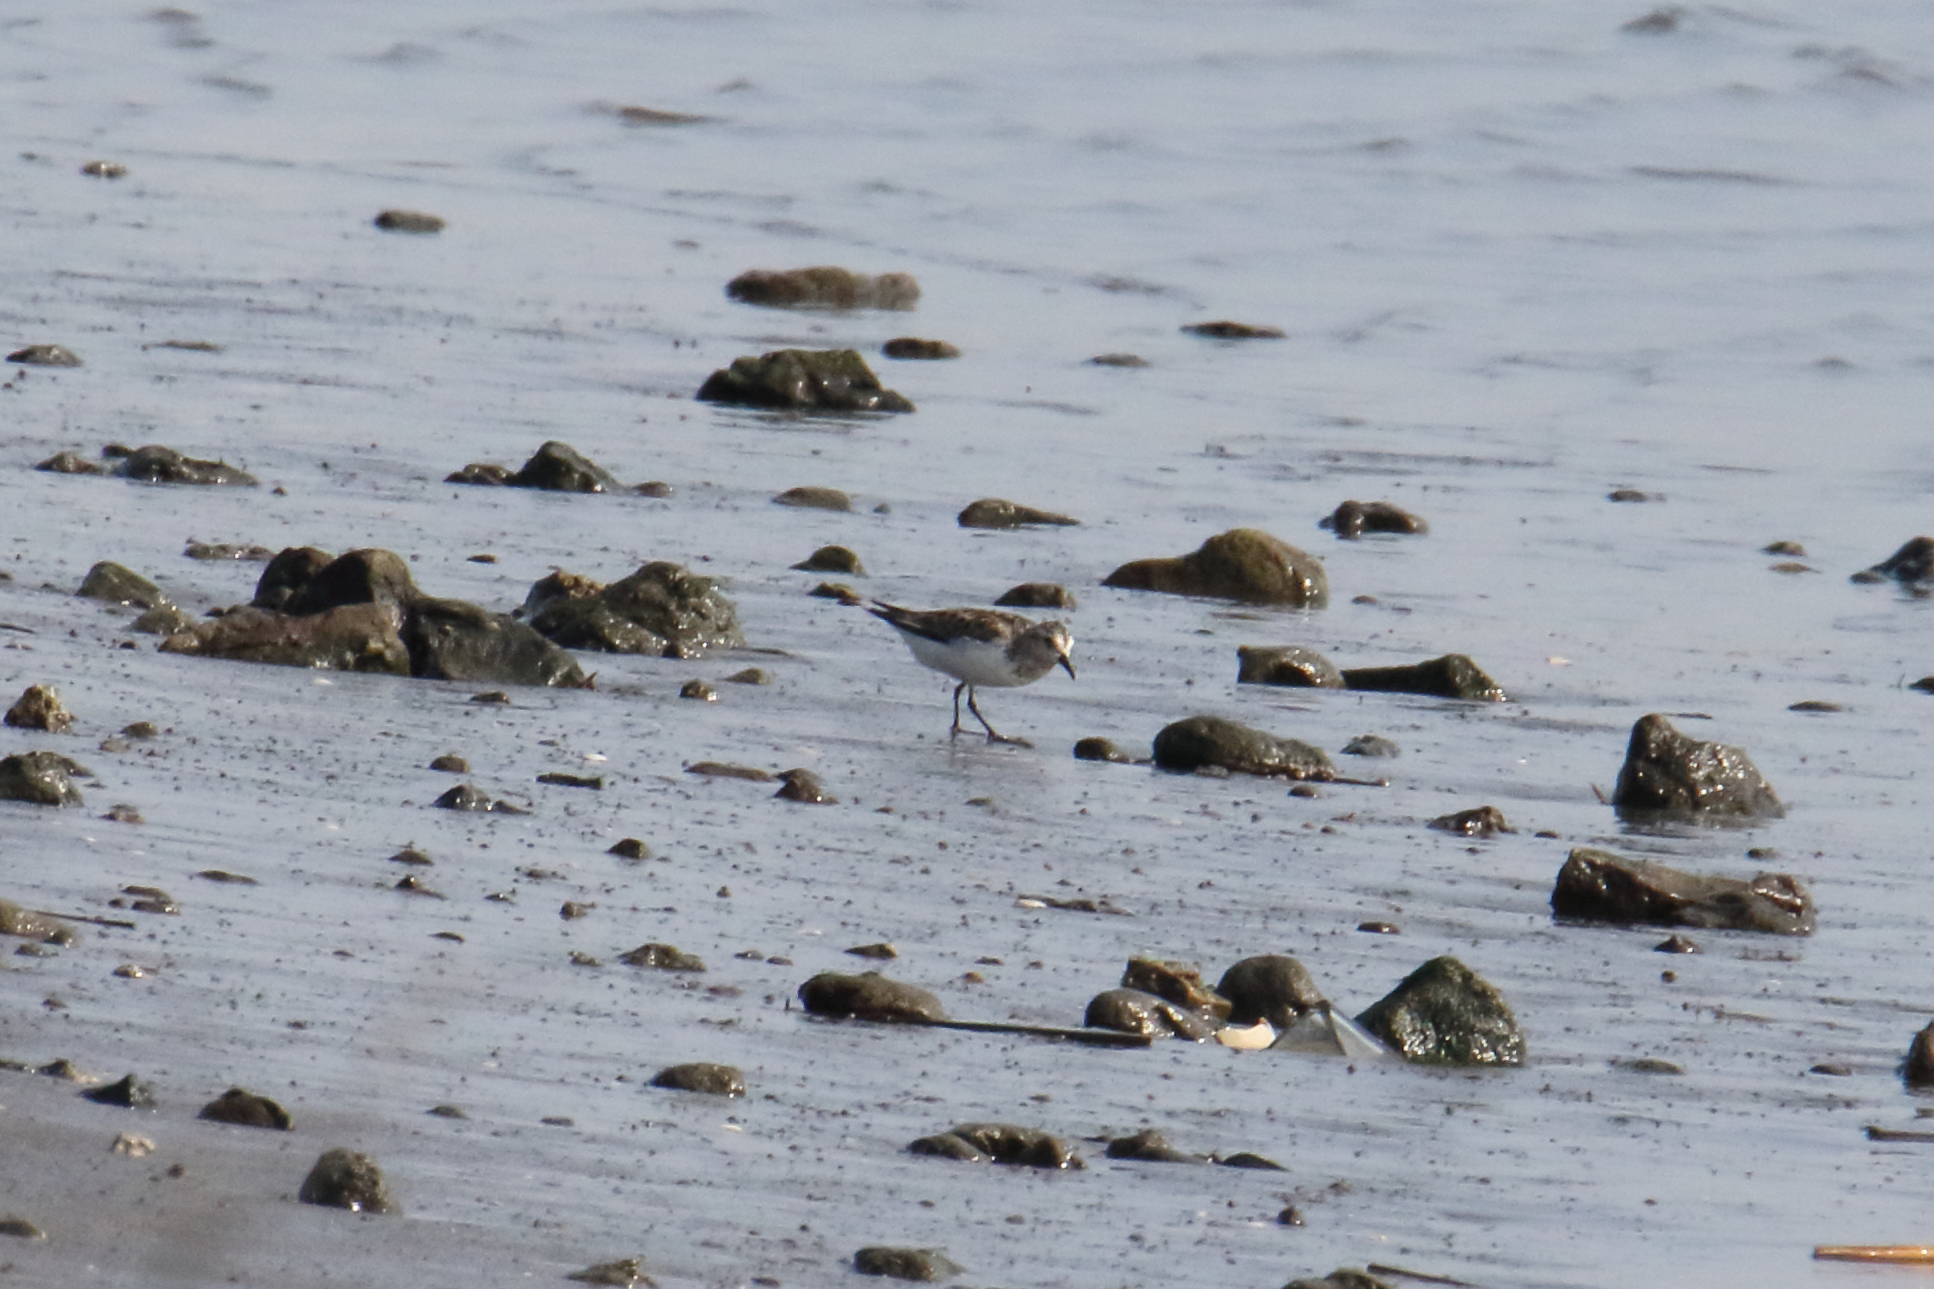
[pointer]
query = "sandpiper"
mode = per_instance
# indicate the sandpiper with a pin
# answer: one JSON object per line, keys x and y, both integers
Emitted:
{"x": 981, "y": 647}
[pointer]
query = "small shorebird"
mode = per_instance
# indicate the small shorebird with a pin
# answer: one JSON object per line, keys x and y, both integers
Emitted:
{"x": 981, "y": 647}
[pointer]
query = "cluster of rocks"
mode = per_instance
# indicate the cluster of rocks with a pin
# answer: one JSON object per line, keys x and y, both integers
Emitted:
{"x": 152, "y": 464}
{"x": 554, "y": 467}
{"x": 1453, "y": 675}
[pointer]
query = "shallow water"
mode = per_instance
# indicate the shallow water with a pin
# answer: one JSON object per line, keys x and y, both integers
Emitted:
{"x": 1523, "y": 258}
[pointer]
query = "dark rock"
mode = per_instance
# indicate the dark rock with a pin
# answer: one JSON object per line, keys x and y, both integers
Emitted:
{"x": 1290, "y": 665}
{"x": 1037, "y": 595}
{"x": 481, "y": 474}
{"x": 129, "y": 1092}
{"x": 870, "y": 996}
{"x": 658, "y": 116}
{"x": 662, "y": 608}
{"x": 749, "y": 676}
{"x": 408, "y": 221}
{"x": 905, "y": 1264}
{"x": 1341, "y": 1278}
{"x": 1478, "y": 821}
{"x": 804, "y": 786}
{"x": 355, "y": 637}
{"x": 1782, "y": 548}
{"x": 21, "y": 1229}
{"x": 1918, "y": 1068}
{"x": 629, "y": 848}
{"x": 701, "y": 1076}
{"x": 1631, "y": 495}
{"x": 1118, "y": 360}
{"x": 992, "y": 512}
{"x": 114, "y": 584}
{"x": 39, "y": 927}
{"x": 1272, "y": 987}
{"x": 1379, "y": 928}
{"x": 39, "y": 708}
{"x": 347, "y": 1179}
{"x": 699, "y": 691}
{"x": 881, "y": 950}
{"x": 657, "y": 488}
{"x": 40, "y": 777}
{"x": 726, "y": 770}
{"x": 164, "y": 620}
{"x": 1135, "y": 1011}
{"x": 288, "y": 572}
{"x": 913, "y": 347}
{"x": 820, "y": 380}
{"x": 1598, "y": 886}
{"x": 450, "y": 763}
{"x": 811, "y": 498}
{"x": 1101, "y": 749}
{"x": 242, "y": 1107}
{"x": 559, "y": 467}
{"x": 1668, "y": 775}
{"x": 662, "y": 957}
{"x": 367, "y": 576}
{"x": 1000, "y": 1143}
{"x": 1443, "y": 1013}
{"x": 1179, "y": 982}
{"x": 155, "y": 464}
{"x": 625, "y": 1273}
{"x": 1371, "y": 745}
{"x": 1676, "y": 944}
{"x": 1225, "y": 330}
{"x": 1911, "y": 564}
{"x": 559, "y": 779}
{"x": 832, "y": 559}
{"x": 465, "y": 797}
{"x": 1656, "y": 23}
{"x": 1200, "y": 741}
{"x": 1249, "y": 1159}
{"x": 1242, "y": 564}
{"x": 1452, "y": 676}
{"x": 1647, "y": 1065}
{"x": 1352, "y": 519}
{"x": 228, "y": 550}
{"x": 69, "y": 463}
{"x": 824, "y": 287}
{"x": 837, "y": 591}
{"x": 1150, "y": 1146}
{"x": 454, "y": 640}
{"x": 45, "y": 356}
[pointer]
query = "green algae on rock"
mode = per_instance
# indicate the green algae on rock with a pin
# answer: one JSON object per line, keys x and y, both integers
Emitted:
{"x": 824, "y": 380}
{"x": 1244, "y": 564}
{"x": 1443, "y": 1013}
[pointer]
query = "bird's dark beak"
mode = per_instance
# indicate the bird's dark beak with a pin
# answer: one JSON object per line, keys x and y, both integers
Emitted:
{"x": 1067, "y": 666}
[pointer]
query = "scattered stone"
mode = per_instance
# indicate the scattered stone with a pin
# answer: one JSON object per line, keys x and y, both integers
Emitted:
{"x": 905, "y": 1264}
{"x": 1341, "y": 1278}
{"x": 129, "y": 1092}
{"x": 725, "y": 770}
{"x": 913, "y": 347}
{"x": 450, "y": 763}
{"x": 1814, "y": 705}
{"x": 1179, "y": 982}
{"x": 559, "y": 779}
{"x": 113, "y": 583}
{"x": 832, "y": 559}
{"x": 1248, "y": 1159}
{"x": 824, "y": 287}
{"x": 663, "y": 609}
{"x": 820, "y": 380}
{"x": 45, "y": 356}
{"x": 1225, "y": 330}
{"x": 21, "y": 1229}
{"x": 698, "y": 691}
{"x": 559, "y": 467}
{"x": 288, "y": 572}
{"x": 629, "y": 848}
{"x": 870, "y": 996}
{"x": 481, "y": 474}
{"x": 225, "y": 877}
{"x": 192, "y": 346}
{"x": 1118, "y": 360}
{"x": 701, "y": 1076}
{"x": 1668, "y": 775}
{"x": 1290, "y": 665}
{"x": 164, "y": 620}
{"x": 812, "y": 498}
{"x": 239, "y": 1106}
{"x": 44, "y": 778}
{"x": 449, "y": 1112}
{"x": 662, "y": 957}
{"x": 1918, "y": 1068}
{"x": 992, "y": 512}
{"x": 133, "y": 1145}
{"x": 1270, "y": 987}
{"x": 1000, "y": 1143}
{"x": 1150, "y": 1146}
{"x": 1037, "y": 595}
{"x": 656, "y": 488}
{"x": 1478, "y": 821}
{"x": 68, "y": 462}
{"x": 658, "y": 116}
{"x": 123, "y": 813}
{"x": 1632, "y": 495}
{"x": 1912, "y": 564}
{"x": 1371, "y": 745}
{"x": 467, "y": 797}
{"x": 1242, "y": 564}
{"x": 880, "y": 950}
{"x": 1676, "y": 944}
{"x": 1783, "y": 548}
{"x": 1789, "y": 566}
{"x": 571, "y": 910}
{"x": 456, "y": 640}
{"x": 1443, "y": 1013}
{"x": 1200, "y": 741}
{"x": 29, "y": 925}
{"x": 837, "y": 591}
{"x": 1656, "y": 23}
{"x": 104, "y": 170}
{"x": 1647, "y": 1065}
{"x": 354, "y": 637}
{"x": 347, "y": 1179}
{"x": 1101, "y": 749}
{"x": 805, "y": 787}
{"x": 1599, "y": 886}
{"x": 156, "y": 464}
{"x": 1452, "y": 676}
{"x": 1379, "y": 928}
{"x": 1352, "y": 519}
{"x": 228, "y": 551}
{"x": 413, "y": 857}
{"x": 409, "y": 221}
{"x": 39, "y": 708}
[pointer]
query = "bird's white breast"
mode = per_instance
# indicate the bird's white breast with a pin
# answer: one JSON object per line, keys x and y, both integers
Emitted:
{"x": 978, "y": 662}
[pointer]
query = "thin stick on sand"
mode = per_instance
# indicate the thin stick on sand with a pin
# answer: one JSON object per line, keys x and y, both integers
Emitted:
{"x": 1874, "y": 1253}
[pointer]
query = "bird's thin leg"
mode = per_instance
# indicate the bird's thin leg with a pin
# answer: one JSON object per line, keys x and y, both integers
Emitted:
{"x": 993, "y": 735}
{"x": 955, "y": 731}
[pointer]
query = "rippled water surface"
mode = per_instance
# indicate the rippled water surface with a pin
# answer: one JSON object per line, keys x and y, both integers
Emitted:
{"x": 1523, "y": 257}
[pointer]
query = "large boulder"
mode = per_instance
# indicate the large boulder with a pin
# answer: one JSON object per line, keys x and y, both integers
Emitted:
{"x": 993, "y": 512}
{"x": 155, "y": 464}
{"x": 1200, "y": 742}
{"x": 1598, "y": 886}
{"x": 114, "y": 583}
{"x": 353, "y": 637}
{"x": 456, "y": 640}
{"x": 1273, "y": 987}
{"x": 559, "y": 467}
{"x": 1443, "y": 1013}
{"x": 869, "y": 996}
{"x": 1911, "y": 565}
{"x": 1000, "y": 1143}
{"x": 1352, "y": 519}
{"x": 821, "y": 380}
{"x": 1668, "y": 775}
{"x": 1136, "y": 1011}
{"x": 287, "y": 573}
{"x": 43, "y": 778}
{"x": 1290, "y": 665}
{"x": 824, "y": 286}
{"x": 369, "y": 576}
{"x": 663, "y": 609}
{"x": 1242, "y": 564}
{"x": 1452, "y": 676}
